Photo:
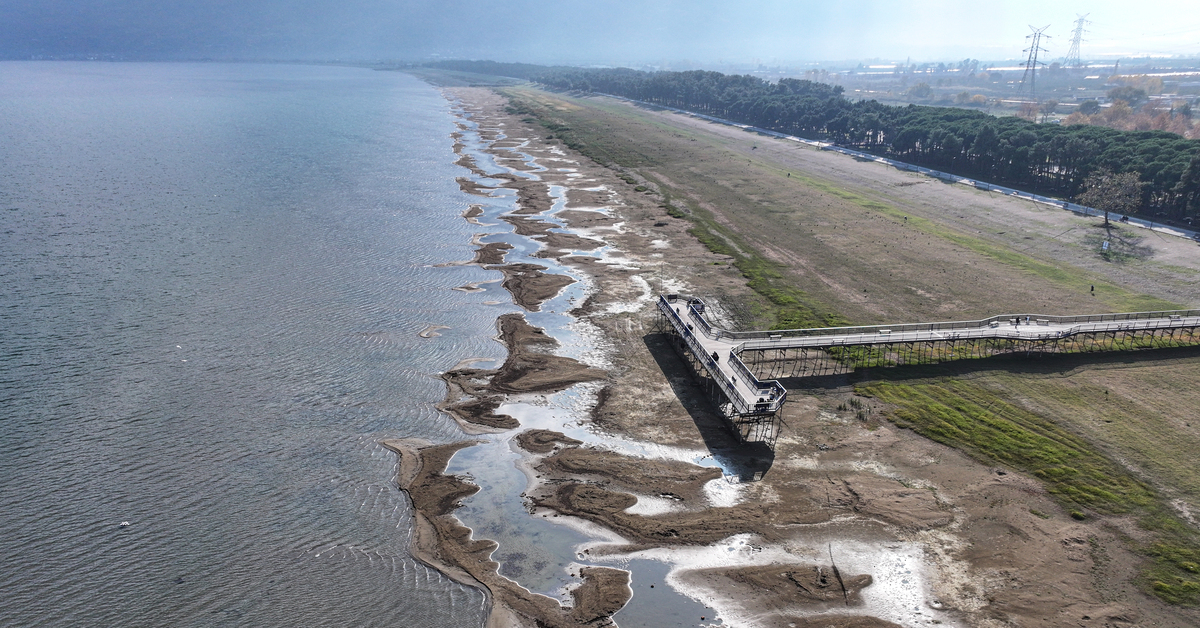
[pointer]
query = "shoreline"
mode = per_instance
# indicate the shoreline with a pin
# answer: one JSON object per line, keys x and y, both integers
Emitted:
{"x": 919, "y": 530}
{"x": 441, "y": 542}
{"x": 473, "y": 396}
{"x": 570, "y": 480}
{"x": 583, "y": 482}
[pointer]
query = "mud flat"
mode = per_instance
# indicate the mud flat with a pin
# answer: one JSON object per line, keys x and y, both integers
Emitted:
{"x": 648, "y": 503}
{"x": 856, "y": 522}
{"x": 492, "y": 253}
{"x": 443, "y": 543}
{"x": 529, "y": 286}
{"x": 473, "y": 395}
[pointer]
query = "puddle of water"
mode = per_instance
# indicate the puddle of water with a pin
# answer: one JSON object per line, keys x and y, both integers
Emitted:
{"x": 532, "y": 551}
{"x": 901, "y": 591}
{"x": 566, "y": 411}
{"x": 656, "y": 604}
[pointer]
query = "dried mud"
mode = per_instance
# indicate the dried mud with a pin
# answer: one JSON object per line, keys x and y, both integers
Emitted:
{"x": 472, "y": 395}
{"x": 442, "y": 542}
{"x": 996, "y": 549}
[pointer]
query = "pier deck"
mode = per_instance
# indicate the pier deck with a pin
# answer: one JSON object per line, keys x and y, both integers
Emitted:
{"x": 719, "y": 352}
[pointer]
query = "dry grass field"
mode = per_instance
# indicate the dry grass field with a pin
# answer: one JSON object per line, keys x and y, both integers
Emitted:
{"x": 825, "y": 239}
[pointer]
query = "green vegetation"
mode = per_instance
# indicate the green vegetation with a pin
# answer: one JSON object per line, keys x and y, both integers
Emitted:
{"x": 1045, "y": 158}
{"x": 793, "y": 309}
{"x": 967, "y": 417}
{"x": 1111, "y": 192}
{"x": 862, "y": 356}
{"x": 983, "y": 424}
{"x": 790, "y": 307}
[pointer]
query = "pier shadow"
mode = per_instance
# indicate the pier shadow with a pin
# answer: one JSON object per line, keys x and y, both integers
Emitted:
{"x": 1047, "y": 364}
{"x": 748, "y": 460}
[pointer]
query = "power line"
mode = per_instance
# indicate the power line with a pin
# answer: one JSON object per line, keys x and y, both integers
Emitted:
{"x": 1076, "y": 37}
{"x": 1031, "y": 62}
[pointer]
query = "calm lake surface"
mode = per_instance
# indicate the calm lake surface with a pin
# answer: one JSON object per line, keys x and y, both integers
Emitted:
{"x": 213, "y": 280}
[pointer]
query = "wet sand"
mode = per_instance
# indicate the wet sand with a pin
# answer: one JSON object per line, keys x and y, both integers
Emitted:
{"x": 529, "y": 286}
{"x": 854, "y": 523}
{"x": 473, "y": 394}
{"x": 492, "y": 253}
{"x": 591, "y": 484}
{"x": 441, "y": 542}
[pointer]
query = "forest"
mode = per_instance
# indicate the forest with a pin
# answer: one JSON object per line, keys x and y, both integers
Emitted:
{"x": 1049, "y": 159}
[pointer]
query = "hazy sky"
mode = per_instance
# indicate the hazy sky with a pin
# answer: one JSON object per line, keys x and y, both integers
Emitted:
{"x": 590, "y": 31}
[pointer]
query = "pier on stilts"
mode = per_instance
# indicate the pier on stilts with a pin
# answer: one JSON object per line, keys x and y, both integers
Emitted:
{"x": 740, "y": 370}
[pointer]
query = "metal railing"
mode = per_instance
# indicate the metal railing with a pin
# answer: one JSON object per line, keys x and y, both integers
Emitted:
{"x": 1022, "y": 332}
{"x": 702, "y": 355}
{"x": 772, "y": 392}
{"x": 960, "y": 325}
{"x": 1002, "y": 327}
{"x": 1028, "y": 327}
{"x": 698, "y": 317}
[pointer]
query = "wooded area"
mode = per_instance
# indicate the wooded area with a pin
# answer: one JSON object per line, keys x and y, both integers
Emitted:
{"x": 1045, "y": 158}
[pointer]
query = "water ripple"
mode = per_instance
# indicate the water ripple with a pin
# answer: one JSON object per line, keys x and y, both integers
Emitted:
{"x": 215, "y": 277}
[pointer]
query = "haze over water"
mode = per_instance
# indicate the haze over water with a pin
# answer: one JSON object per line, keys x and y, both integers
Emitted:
{"x": 213, "y": 281}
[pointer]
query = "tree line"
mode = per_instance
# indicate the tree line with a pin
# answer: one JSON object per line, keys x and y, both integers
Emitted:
{"x": 1049, "y": 159}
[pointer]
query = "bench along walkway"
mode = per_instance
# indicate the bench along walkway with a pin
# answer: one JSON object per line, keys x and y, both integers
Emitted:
{"x": 751, "y": 398}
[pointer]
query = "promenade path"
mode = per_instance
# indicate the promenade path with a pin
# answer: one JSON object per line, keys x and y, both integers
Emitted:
{"x": 719, "y": 350}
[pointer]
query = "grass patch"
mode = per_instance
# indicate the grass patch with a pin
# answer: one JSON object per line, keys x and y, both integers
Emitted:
{"x": 1126, "y": 248}
{"x": 968, "y": 417}
{"x": 1111, "y": 294}
{"x": 793, "y": 309}
{"x": 861, "y": 356}
{"x": 981, "y": 423}
{"x": 790, "y": 307}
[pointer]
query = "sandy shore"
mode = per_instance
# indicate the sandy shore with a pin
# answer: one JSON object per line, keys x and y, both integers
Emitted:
{"x": 473, "y": 394}
{"x": 855, "y": 523}
{"x": 443, "y": 543}
{"x": 578, "y": 481}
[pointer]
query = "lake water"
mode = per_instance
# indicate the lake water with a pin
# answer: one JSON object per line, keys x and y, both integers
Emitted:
{"x": 213, "y": 280}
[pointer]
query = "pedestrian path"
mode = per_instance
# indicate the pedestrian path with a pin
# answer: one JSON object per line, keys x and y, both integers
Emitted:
{"x": 718, "y": 350}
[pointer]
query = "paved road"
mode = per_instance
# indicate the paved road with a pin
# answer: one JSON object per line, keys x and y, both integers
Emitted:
{"x": 945, "y": 176}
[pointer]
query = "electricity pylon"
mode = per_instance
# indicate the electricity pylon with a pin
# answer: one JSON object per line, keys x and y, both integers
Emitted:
{"x": 1076, "y": 37}
{"x": 1031, "y": 62}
